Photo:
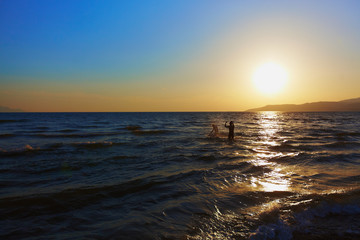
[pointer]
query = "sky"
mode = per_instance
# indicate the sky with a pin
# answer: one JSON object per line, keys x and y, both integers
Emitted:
{"x": 180, "y": 55}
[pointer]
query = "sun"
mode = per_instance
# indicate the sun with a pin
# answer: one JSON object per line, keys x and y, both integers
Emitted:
{"x": 270, "y": 78}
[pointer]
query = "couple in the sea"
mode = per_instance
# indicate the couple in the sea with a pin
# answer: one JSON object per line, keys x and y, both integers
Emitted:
{"x": 215, "y": 131}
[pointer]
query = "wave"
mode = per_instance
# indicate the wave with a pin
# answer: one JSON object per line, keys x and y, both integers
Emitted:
{"x": 243, "y": 167}
{"x": 42, "y": 128}
{"x": 13, "y": 120}
{"x": 286, "y": 133}
{"x": 95, "y": 145}
{"x": 256, "y": 170}
{"x": 120, "y": 157}
{"x": 149, "y": 132}
{"x": 76, "y": 135}
{"x": 344, "y": 180}
{"x": 327, "y": 216}
{"x": 345, "y": 134}
{"x": 289, "y": 158}
{"x": 329, "y": 157}
{"x": 284, "y": 147}
{"x": 355, "y": 178}
{"x": 281, "y": 215}
{"x": 133, "y": 127}
{"x": 328, "y": 221}
{"x": 251, "y": 123}
{"x": 89, "y": 126}
{"x": 101, "y": 122}
{"x": 64, "y": 134}
{"x": 308, "y": 138}
{"x": 148, "y": 144}
{"x": 232, "y": 166}
{"x": 27, "y": 149}
{"x": 137, "y": 130}
{"x": 7, "y": 135}
{"x": 59, "y": 200}
{"x": 68, "y": 130}
{"x": 207, "y": 158}
{"x": 341, "y": 145}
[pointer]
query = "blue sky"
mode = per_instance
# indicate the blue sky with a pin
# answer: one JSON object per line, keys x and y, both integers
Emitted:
{"x": 82, "y": 38}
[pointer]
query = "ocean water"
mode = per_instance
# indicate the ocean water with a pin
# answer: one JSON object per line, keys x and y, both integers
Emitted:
{"x": 159, "y": 176}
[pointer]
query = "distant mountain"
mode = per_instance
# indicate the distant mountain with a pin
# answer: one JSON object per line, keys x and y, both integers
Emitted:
{"x": 350, "y": 105}
{"x": 6, "y": 109}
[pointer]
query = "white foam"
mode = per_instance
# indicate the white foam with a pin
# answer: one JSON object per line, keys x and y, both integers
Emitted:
{"x": 278, "y": 230}
{"x": 283, "y": 231}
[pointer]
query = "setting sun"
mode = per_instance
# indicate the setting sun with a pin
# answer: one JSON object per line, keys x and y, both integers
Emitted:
{"x": 270, "y": 78}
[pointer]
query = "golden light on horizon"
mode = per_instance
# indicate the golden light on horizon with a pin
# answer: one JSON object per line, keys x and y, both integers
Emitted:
{"x": 270, "y": 78}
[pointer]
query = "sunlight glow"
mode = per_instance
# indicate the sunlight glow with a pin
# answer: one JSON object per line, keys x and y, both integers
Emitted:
{"x": 270, "y": 78}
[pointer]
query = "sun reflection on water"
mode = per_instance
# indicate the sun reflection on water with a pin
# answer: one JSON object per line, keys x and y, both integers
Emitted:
{"x": 266, "y": 172}
{"x": 267, "y": 135}
{"x": 268, "y": 123}
{"x": 276, "y": 179}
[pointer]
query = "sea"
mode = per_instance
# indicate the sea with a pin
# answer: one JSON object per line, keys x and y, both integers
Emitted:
{"x": 161, "y": 176}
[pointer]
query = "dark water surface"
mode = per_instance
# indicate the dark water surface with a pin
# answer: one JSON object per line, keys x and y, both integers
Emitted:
{"x": 158, "y": 176}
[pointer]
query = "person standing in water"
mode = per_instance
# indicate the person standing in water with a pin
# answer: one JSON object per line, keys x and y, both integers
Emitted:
{"x": 214, "y": 132}
{"x": 231, "y": 128}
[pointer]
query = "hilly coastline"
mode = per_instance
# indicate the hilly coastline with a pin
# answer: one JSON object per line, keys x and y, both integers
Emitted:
{"x": 349, "y": 105}
{"x": 7, "y": 109}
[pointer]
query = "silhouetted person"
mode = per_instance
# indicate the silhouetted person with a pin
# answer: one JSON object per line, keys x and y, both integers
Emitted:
{"x": 214, "y": 132}
{"x": 231, "y": 128}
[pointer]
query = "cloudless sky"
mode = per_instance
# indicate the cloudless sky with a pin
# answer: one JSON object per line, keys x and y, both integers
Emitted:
{"x": 183, "y": 55}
